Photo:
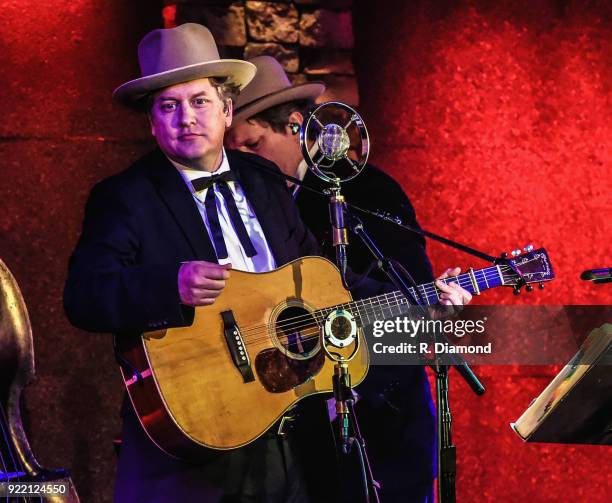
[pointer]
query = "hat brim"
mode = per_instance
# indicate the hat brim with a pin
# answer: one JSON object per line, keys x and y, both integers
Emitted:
{"x": 310, "y": 90}
{"x": 238, "y": 71}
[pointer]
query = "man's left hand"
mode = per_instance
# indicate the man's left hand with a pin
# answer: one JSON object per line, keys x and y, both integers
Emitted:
{"x": 452, "y": 294}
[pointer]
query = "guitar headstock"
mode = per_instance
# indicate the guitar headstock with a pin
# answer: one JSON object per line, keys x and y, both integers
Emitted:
{"x": 523, "y": 269}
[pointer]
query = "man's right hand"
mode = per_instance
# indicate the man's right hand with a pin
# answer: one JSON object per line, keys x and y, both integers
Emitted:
{"x": 200, "y": 282}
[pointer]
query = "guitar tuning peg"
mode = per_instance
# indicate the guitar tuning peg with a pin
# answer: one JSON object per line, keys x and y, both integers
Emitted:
{"x": 529, "y": 288}
{"x": 517, "y": 290}
{"x": 528, "y": 248}
{"x": 504, "y": 255}
{"x": 541, "y": 286}
{"x": 515, "y": 253}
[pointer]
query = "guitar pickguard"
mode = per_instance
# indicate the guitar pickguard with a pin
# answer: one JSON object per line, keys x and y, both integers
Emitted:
{"x": 279, "y": 373}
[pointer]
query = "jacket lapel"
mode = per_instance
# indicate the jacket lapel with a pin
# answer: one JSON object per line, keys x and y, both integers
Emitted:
{"x": 179, "y": 200}
{"x": 256, "y": 188}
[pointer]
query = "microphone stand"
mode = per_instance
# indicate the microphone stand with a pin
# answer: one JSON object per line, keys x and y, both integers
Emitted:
{"x": 343, "y": 392}
{"x": 447, "y": 457}
{"x": 337, "y": 210}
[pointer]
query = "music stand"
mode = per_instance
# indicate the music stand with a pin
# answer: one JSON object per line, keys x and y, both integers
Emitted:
{"x": 576, "y": 407}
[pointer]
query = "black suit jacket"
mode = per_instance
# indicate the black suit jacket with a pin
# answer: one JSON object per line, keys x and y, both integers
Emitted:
{"x": 141, "y": 224}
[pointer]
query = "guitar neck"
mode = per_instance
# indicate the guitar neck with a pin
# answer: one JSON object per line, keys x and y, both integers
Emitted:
{"x": 388, "y": 305}
{"x": 474, "y": 282}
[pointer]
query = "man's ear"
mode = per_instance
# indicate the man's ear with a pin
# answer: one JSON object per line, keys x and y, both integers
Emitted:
{"x": 151, "y": 125}
{"x": 296, "y": 117}
{"x": 295, "y": 121}
{"x": 229, "y": 113}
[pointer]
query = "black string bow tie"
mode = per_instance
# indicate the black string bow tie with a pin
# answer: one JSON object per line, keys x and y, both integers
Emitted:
{"x": 206, "y": 181}
{"x": 220, "y": 182}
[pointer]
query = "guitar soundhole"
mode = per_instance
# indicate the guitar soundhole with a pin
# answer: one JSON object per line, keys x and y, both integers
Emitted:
{"x": 297, "y": 356}
{"x": 297, "y": 333}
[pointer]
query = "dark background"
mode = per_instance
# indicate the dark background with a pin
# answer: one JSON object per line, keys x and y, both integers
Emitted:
{"x": 494, "y": 116}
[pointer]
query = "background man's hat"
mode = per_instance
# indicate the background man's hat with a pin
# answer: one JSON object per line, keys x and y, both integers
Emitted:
{"x": 176, "y": 55}
{"x": 271, "y": 87}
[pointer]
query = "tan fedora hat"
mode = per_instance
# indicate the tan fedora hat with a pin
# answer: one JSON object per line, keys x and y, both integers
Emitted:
{"x": 271, "y": 87}
{"x": 175, "y": 55}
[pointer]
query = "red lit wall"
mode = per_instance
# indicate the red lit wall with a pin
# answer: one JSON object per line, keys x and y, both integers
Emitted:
{"x": 495, "y": 117}
{"x": 59, "y": 134}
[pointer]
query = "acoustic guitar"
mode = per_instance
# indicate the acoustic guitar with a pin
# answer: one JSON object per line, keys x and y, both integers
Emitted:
{"x": 223, "y": 381}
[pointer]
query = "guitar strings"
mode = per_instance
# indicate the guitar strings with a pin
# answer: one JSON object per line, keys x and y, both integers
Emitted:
{"x": 374, "y": 303}
{"x": 306, "y": 320}
{"x": 293, "y": 323}
{"x": 16, "y": 464}
{"x": 301, "y": 321}
{"x": 427, "y": 290}
{"x": 367, "y": 308}
{"x": 313, "y": 330}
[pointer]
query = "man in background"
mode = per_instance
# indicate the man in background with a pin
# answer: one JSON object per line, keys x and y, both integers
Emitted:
{"x": 396, "y": 411}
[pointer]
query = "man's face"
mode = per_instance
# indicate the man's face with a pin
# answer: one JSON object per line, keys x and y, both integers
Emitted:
{"x": 283, "y": 149}
{"x": 188, "y": 121}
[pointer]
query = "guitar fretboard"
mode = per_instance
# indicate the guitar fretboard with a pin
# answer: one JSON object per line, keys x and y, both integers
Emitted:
{"x": 388, "y": 305}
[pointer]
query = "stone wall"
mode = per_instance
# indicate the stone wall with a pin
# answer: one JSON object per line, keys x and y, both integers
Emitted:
{"x": 313, "y": 39}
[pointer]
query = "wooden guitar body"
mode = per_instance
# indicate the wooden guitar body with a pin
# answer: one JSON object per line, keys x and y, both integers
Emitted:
{"x": 223, "y": 381}
{"x": 190, "y": 393}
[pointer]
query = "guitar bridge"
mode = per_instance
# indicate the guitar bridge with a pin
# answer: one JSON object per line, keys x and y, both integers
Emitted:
{"x": 236, "y": 346}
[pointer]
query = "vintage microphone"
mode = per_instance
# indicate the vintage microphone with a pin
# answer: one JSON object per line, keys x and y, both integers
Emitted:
{"x": 326, "y": 152}
{"x": 603, "y": 275}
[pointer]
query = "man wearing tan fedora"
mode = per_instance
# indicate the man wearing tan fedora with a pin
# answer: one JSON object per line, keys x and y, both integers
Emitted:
{"x": 159, "y": 239}
{"x": 396, "y": 401}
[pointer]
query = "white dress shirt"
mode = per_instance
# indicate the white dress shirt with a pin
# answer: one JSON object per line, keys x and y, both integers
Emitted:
{"x": 263, "y": 261}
